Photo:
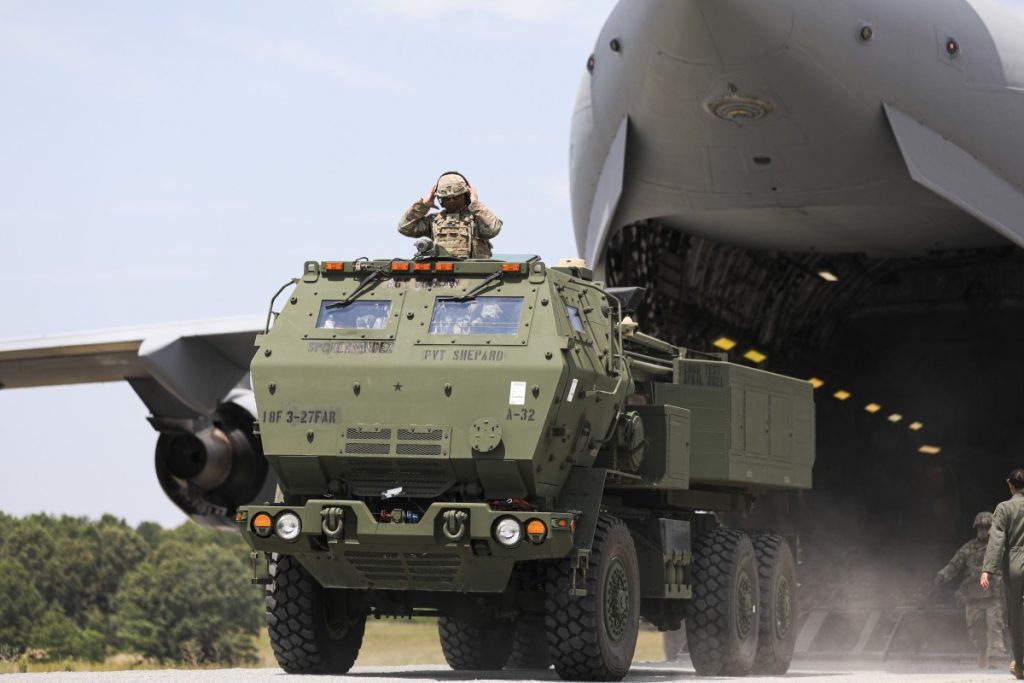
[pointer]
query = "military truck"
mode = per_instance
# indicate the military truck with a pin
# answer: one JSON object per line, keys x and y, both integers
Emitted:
{"x": 495, "y": 443}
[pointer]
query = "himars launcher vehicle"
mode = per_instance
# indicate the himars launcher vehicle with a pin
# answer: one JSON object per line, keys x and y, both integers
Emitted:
{"x": 495, "y": 443}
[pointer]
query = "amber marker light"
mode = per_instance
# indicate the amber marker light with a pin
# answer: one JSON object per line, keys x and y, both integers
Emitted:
{"x": 894, "y": 418}
{"x": 929, "y": 450}
{"x": 444, "y": 267}
{"x": 872, "y": 408}
{"x": 511, "y": 267}
{"x": 816, "y": 382}
{"x": 724, "y": 343}
{"x": 842, "y": 395}
{"x": 536, "y": 531}
{"x": 916, "y": 426}
{"x": 421, "y": 267}
{"x": 334, "y": 266}
{"x": 261, "y": 524}
{"x": 755, "y": 356}
{"x": 399, "y": 266}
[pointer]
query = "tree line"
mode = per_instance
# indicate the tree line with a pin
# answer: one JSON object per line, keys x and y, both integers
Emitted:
{"x": 74, "y": 588}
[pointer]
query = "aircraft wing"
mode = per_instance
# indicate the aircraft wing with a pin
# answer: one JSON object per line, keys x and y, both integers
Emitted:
{"x": 194, "y": 378}
{"x": 197, "y": 363}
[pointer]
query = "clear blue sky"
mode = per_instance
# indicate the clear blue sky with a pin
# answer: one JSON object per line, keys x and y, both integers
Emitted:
{"x": 177, "y": 161}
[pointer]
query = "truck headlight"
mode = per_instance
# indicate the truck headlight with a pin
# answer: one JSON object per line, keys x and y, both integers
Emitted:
{"x": 288, "y": 526}
{"x": 508, "y": 532}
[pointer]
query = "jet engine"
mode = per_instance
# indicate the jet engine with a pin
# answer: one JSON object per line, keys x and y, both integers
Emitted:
{"x": 210, "y": 465}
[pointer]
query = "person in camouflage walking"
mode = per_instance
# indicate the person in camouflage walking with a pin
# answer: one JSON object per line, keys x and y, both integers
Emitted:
{"x": 983, "y": 609}
{"x": 1005, "y": 555}
{"x": 464, "y": 226}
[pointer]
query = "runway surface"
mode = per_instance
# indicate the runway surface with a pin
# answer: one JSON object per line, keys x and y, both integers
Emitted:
{"x": 653, "y": 673}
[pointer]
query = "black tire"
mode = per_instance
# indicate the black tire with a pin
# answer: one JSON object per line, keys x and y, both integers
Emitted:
{"x": 778, "y": 605}
{"x": 529, "y": 645}
{"x": 721, "y": 623}
{"x": 594, "y": 637}
{"x": 312, "y": 631}
{"x": 475, "y": 644}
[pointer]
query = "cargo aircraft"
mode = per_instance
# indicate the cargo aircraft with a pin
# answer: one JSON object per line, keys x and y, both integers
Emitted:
{"x": 834, "y": 190}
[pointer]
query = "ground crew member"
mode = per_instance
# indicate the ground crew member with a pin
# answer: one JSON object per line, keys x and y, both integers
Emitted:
{"x": 1005, "y": 554}
{"x": 464, "y": 226}
{"x": 983, "y": 609}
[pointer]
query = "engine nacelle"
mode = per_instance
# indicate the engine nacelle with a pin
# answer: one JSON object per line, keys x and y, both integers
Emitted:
{"x": 208, "y": 466}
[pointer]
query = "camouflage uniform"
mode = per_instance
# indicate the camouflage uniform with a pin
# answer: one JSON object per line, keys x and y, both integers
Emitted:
{"x": 983, "y": 610}
{"x": 466, "y": 233}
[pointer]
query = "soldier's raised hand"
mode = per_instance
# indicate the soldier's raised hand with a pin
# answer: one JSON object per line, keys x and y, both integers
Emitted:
{"x": 472, "y": 193}
{"x": 428, "y": 198}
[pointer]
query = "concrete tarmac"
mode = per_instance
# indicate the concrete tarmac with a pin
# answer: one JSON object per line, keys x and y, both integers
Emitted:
{"x": 818, "y": 672}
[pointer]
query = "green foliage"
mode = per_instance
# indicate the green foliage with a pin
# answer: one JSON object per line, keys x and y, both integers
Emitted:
{"x": 75, "y": 588}
{"x": 74, "y": 562}
{"x": 20, "y": 605}
{"x": 61, "y": 638}
{"x": 191, "y": 602}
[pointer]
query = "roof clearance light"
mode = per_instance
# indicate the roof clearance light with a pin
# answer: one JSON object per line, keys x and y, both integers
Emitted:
{"x": 421, "y": 267}
{"x": 828, "y": 276}
{"x": 872, "y": 408}
{"x": 399, "y": 266}
{"x": 444, "y": 267}
{"x": 816, "y": 382}
{"x": 755, "y": 356}
{"x": 334, "y": 266}
{"x": 724, "y": 343}
{"x": 895, "y": 417}
{"x": 929, "y": 450}
{"x": 916, "y": 426}
{"x": 511, "y": 267}
{"x": 842, "y": 394}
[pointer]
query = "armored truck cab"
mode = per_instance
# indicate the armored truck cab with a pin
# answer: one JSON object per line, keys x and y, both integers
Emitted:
{"x": 494, "y": 442}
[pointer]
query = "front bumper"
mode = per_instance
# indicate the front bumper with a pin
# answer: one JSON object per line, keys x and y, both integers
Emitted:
{"x": 345, "y": 546}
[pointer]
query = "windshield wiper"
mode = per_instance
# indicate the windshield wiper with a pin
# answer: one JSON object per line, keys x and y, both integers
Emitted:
{"x": 471, "y": 294}
{"x": 364, "y": 286}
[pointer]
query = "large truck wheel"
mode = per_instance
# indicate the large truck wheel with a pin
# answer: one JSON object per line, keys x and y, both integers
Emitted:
{"x": 721, "y": 619}
{"x": 593, "y": 637}
{"x": 477, "y": 644}
{"x": 529, "y": 645}
{"x": 777, "y": 607}
{"x": 312, "y": 630}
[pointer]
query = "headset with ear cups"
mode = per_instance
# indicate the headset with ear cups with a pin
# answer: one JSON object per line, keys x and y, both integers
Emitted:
{"x": 464, "y": 178}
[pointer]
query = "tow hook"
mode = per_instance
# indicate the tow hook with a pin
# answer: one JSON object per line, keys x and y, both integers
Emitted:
{"x": 332, "y": 525}
{"x": 454, "y": 524}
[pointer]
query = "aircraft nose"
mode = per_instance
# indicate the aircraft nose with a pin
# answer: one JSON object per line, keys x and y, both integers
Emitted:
{"x": 715, "y": 32}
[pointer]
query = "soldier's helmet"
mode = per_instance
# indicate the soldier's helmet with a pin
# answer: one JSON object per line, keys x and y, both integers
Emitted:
{"x": 451, "y": 185}
{"x": 983, "y": 519}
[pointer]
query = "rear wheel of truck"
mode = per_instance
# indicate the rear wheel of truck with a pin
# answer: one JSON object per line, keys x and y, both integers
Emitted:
{"x": 312, "y": 630}
{"x": 721, "y": 619}
{"x": 475, "y": 644}
{"x": 777, "y": 607}
{"x": 593, "y": 637}
{"x": 529, "y": 645}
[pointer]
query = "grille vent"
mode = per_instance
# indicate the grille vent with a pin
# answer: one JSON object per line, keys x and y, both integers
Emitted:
{"x": 395, "y": 570}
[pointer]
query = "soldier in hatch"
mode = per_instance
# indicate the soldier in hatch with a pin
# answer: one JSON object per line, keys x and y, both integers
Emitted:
{"x": 464, "y": 226}
{"x": 983, "y": 609}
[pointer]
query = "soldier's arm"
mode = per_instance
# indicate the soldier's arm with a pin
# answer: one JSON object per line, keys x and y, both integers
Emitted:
{"x": 487, "y": 224}
{"x": 414, "y": 223}
{"x": 954, "y": 566}
{"x": 996, "y": 539}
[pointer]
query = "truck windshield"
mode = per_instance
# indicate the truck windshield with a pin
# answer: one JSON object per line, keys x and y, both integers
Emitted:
{"x": 357, "y": 315}
{"x": 485, "y": 315}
